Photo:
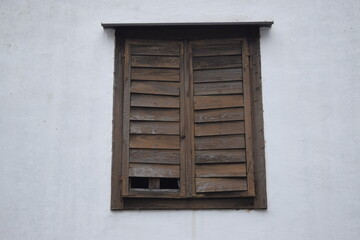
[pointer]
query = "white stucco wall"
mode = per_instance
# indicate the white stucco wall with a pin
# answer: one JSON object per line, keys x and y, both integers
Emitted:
{"x": 56, "y": 67}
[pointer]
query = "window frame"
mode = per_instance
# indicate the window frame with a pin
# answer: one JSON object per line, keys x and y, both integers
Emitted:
{"x": 251, "y": 34}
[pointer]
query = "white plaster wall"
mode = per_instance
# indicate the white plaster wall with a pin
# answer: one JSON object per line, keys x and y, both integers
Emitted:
{"x": 56, "y": 74}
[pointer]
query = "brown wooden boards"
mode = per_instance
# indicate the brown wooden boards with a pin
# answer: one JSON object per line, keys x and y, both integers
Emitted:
{"x": 218, "y": 75}
{"x": 157, "y": 101}
{"x": 154, "y": 114}
{"x": 153, "y": 170}
{"x": 220, "y": 156}
{"x": 147, "y": 127}
{"x": 151, "y": 87}
{"x": 220, "y": 184}
{"x": 156, "y": 74}
{"x": 219, "y": 115}
{"x": 220, "y": 142}
{"x": 219, "y": 128}
{"x": 160, "y": 156}
{"x": 221, "y": 170}
{"x": 220, "y": 101}
{"x": 218, "y": 88}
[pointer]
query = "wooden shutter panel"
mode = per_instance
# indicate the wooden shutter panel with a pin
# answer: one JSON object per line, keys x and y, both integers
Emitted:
{"x": 152, "y": 146}
{"x": 222, "y": 118}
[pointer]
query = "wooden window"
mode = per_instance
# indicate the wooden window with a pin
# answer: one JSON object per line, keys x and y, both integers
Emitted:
{"x": 188, "y": 130}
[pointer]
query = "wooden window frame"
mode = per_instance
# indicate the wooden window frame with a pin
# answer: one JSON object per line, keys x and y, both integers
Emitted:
{"x": 251, "y": 34}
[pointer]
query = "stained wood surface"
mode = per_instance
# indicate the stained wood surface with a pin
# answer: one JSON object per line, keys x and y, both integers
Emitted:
{"x": 147, "y": 127}
{"x": 144, "y": 100}
{"x": 155, "y": 62}
{"x": 218, "y": 75}
{"x": 221, "y": 101}
{"x": 158, "y": 50}
{"x": 219, "y": 115}
{"x": 221, "y": 170}
{"x": 154, "y": 114}
{"x": 216, "y": 62}
{"x": 151, "y": 87}
{"x": 155, "y": 141}
{"x": 219, "y": 128}
{"x": 220, "y": 184}
{"x": 156, "y": 74}
{"x": 220, "y": 142}
{"x": 220, "y": 156}
{"x": 159, "y": 156}
{"x": 214, "y": 50}
{"x": 217, "y": 88}
{"x": 153, "y": 170}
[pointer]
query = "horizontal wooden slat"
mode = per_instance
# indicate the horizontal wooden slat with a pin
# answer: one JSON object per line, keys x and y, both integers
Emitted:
{"x": 220, "y": 184}
{"x": 155, "y": 141}
{"x": 143, "y": 100}
{"x": 221, "y": 170}
{"x": 220, "y": 142}
{"x": 220, "y": 156}
{"x": 219, "y": 128}
{"x": 219, "y": 115}
{"x": 154, "y": 114}
{"x": 159, "y": 156}
{"x": 155, "y": 50}
{"x": 217, "y": 62}
{"x": 155, "y": 61}
{"x": 157, "y": 74}
{"x": 222, "y": 101}
{"x": 219, "y": 41}
{"x": 217, "y": 88}
{"x": 218, "y": 75}
{"x": 216, "y": 50}
{"x": 151, "y": 87}
{"x": 147, "y": 127}
{"x": 153, "y": 170}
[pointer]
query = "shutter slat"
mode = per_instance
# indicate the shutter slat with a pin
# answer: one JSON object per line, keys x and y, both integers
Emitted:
{"x": 155, "y": 141}
{"x": 220, "y": 156}
{"x": 156, "y": 74}
{"x": 220, "y": 128}
{"x": 150, "y": 87}
{"x": 223, "y": 101}
{"x": 220, "y": 142}
{"x": 154, "y": 114}
{"x": 215, "y": 50}
{"x": 155, "y": 62}
{"x": 216, "y": 62}
{"x": 219, "y": 115}
{"x": 153, "y": 170}
{"x": 155, "y": 50}
{"x": 220, "y": 184}
{"x": 159, "y": 156}
{"x": 218, "y": 75}
{"x": 218, "y": 88}
{"x": 169, "y": 128}
{"x": 143, "y": 100}
{"x": 221, "y": 170}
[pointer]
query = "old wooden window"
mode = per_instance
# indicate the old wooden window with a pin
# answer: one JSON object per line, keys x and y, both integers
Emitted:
{"x": 188, "y": 130}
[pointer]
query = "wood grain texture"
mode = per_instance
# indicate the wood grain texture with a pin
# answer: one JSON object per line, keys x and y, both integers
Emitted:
{"x": 220, "y": 184}
{"x": 151, "y": 87}
{"x": 218, "y": 75}
{"x": 219, "y": 128}
{"x": 156, "y": 101}
{"x": 156, "y": 74}
{"x": 159, "y": 156}
{"x": 215, "y": 50}
{"x": 218, "y": 88}
{"x": 147, "y": 127}
{"x": 221, "y": 170}
{"x": 158, "y": 50}
{"x": 219, "y": 115}
{"x": 155, "y": 141}
{"x": 221, "y": 101}
{"x": 153, "y": 170}
{"x": 155, "y": 62}
{"x": 220, "y": 142}
{"x": 220, "y": 156}
{"x": 154, "y": 114}
{"x": 216, "y": 62}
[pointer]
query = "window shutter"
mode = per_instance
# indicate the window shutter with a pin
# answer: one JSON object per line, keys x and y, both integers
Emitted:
{"x": 219, "y": 74}
{"x": 153, "y": 149}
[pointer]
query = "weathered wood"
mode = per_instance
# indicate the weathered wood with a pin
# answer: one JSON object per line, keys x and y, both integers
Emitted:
{"x": 154, "y": 183}
{"x": 220, "y": 142}
{"x": 150, "y": 87}
{"x": 147, "y": 127}
{"x": 221, "y": 170}
{"x": 218, "y": 75}
{"x": 159, "y": 156}
{"x": 155, "y": 141}
{"x": 219, "y": 41}
{"x": 219, "y": 115}
{"x": 153, "y": 170}
{"x": 220, "y": 156}
{"x": 156, "y": 74}
{"x": 215, "y": 50}
{"x": 158, "y": 50}
{"x": 154, "y": 114}
{"x": 216, "y": 62}
{"x": 144, "y": 100}
{"x": 220, "y": 101}
{"x": 220, "y": 184}
{"x": 155, "y": 62}
{"x": 219, "y": 128}
{"x": 218, "y": 88}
